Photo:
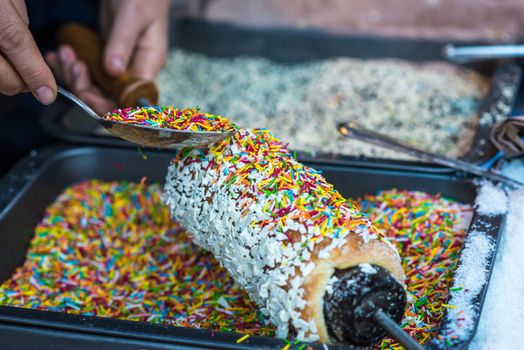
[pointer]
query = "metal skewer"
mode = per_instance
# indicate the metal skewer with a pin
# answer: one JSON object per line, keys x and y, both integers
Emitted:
{"x": 394, "y": 330}
{"x": 486, "y": 52}
{"x": 351, "y": 130}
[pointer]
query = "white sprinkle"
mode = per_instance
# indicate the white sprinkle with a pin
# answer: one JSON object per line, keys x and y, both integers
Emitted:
{"x": 223, "y": 302}
{"x": 329, "y": 286}
{"x": 367, "y": 268}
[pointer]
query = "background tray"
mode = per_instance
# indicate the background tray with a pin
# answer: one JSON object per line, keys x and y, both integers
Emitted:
{"x": 35, "y": 182}
{"x": 294, "y": 46}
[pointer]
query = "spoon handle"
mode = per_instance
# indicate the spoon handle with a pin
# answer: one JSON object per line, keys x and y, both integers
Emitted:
{"x": 127, "y": 90}
{"x": 351, "y": 130}
{"x": 77, "y": 101}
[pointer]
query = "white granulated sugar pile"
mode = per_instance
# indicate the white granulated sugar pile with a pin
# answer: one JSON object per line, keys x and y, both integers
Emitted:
{"x": 491, "y": 200}
{"x": 502, "y": 321}
{"x": 472, "y": 273}
{"x": 433, "y": 106}
{"x": 515, "y": 170}
{"x": 470, "y": 277}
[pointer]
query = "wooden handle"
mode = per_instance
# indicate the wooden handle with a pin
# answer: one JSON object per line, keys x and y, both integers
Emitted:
{"x": 89, "y": 47}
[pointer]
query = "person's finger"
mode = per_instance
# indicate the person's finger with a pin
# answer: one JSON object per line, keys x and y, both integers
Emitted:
{"x": 80, "y": 82}
{"x": 97, "y": 101}
{"x": 62, "y": 64}
{"x": 57, "y": 67}
{"x": 104, "y": 18}
{"x": 80, "y": 73}
{"x": 52, "y": 60}
{"x": 19, "y": 47}
{"x": 11, "y": 83}
{"x": 22, "y": 10}
{"x": 122, "y": 39}
{"x": 151, "y": 53}
{"x": 67, "y": 58}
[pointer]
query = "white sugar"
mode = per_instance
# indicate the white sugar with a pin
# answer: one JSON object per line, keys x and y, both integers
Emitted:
{"x": 470, "y": 276}
{"x": 515, "y": 170}
{"x": 430, "y": 105}
{"x": 502, "y": 319}
{"x": 491, "y": 200}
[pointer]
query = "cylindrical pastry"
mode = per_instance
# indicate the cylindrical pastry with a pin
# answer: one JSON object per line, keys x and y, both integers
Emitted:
{"x": 299, "y": 249}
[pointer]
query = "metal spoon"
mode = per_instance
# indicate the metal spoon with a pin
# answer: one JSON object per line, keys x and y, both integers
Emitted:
{"x": 352, "y": 130}
{"x": 150, "y": 136}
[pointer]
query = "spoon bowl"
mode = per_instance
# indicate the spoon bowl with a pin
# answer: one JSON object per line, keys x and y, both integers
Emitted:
{"x": 150, "y": 136}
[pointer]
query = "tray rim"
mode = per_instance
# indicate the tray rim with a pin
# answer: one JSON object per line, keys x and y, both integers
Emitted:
{"x": 27, "y": 172}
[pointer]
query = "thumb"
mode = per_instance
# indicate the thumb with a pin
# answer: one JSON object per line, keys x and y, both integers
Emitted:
{"x": 122, "y": 40}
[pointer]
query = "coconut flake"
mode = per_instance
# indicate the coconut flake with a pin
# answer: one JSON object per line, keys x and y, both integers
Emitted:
{"x": 367, "y": 268}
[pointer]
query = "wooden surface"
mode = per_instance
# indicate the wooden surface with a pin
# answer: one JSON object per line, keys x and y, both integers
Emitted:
{"x": 449, "y": 19}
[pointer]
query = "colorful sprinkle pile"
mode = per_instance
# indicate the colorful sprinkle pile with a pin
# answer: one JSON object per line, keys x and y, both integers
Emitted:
{"x": 300, "y": 192}
{"x": 169, "y": 117}
{"x": 429, "y": 232}
{"x": 110, "y": 249}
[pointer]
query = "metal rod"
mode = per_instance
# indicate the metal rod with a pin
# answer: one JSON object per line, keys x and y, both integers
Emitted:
{"x": 486, "y": 52}
{"x": 394, "y": 330}
{"x": 352, "y": 130}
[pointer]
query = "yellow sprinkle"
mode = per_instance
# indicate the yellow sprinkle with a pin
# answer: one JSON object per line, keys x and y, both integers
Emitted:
{"x": 435, "y": 250}
{"x": 286, "y": 347}
{"x": 449, "y": 306}
{"x": 242, "y": 339}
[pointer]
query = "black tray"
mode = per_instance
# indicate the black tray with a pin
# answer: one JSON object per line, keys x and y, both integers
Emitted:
{"x": 288, "y": 45}
{"x": 36, "y": 181}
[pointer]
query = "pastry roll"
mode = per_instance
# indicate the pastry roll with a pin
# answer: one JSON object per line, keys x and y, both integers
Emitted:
{"x": 315, "y": 265}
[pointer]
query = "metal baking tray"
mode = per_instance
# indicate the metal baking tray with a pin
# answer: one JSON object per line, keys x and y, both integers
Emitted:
{"x": 34, "y": 183}
{"x": 288, "y": 45}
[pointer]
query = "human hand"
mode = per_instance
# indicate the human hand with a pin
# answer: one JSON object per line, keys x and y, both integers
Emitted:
{"x": 137, "y": 36}
{"x": 22, "y": 67}
{"x": 136, "y": 39}
{"x": 74, "y": 74}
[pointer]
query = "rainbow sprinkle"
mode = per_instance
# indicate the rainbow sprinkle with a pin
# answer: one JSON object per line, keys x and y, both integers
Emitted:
{"x": 429, "y": 233}
{"x": 308, "y": 199}
{"x": 169, "y": 117}
{"x": 110, "y": 250}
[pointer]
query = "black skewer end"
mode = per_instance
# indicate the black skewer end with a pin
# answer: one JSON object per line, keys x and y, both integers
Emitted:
{"x": 350, "y": 307}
